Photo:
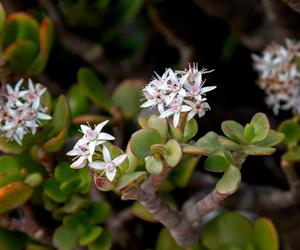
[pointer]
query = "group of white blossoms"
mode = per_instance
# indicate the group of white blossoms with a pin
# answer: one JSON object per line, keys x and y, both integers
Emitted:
{"x": 172, "y": 93}
{"x": 21, "y": 110}
{"x": 279, "y": 75}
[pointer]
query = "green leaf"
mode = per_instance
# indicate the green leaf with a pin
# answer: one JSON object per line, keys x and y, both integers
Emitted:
{"x": 46, "y": 39}
{"x": 75, "y": 204}
{"x": 292, "y": 155}
{"x": 56, "y": 143}
{"x": 272, "y": 139}
{"x": 141, "y": 212}
{"x": 98, "y": 212}
{"x": 261, "y": 126}
{"x": 265, "y": 235}
{"x": 154, "y": 166}
{"x": 258, "y": 150}
{"x": 9, "y": 170}
{"x": 209, "y": 143}
{"x": 182, "y": 174}
{"x": 20, "y": 55}
{"x": 65, "y": 238}
{"x": 63, "y": 172}
{"x": 159, "y": 124}
{"x": 190, "y": 130}
{"x": 216, "y": 163}
{"x": 71, "y": 185}
{"x": 103, "y": 242}
{"x": 228, "y": 144}
{"x": 165, "y": 241}
{"x": 230, "y": 181}
{"x": 49, "y": 204}
{"x": 291, "y": 130}
{"x": 91, "y": 234}
{"x": 14, "y": 195}
{"x": 53, "y": 191}
{"x": 127, "y": 96}
{"x": 20, "y": 26}
{"x": 234, "y": 131}
{"x": 78, "y": 102}
{"x": 73, "y": 220}
{"x": 142, "y": 140}
{"x": 174, "y": 153}
{"x": 61, "y": 116}
{"x": 228, "y": 229}
{"x": 8, "y": 240}
{"x": 34, "y": 179}
{"x": 93, "y": 88}
{"x": 130, "y": 180}
{"x": 2, "y": 17}
{"x": 249, "y": 132}
{"x": 10, "y": 147}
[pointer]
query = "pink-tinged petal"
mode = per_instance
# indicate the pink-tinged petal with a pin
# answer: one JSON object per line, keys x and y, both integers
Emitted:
{"x": 18, "y": 85}
{"x": 106, "y": 154}
{"x": 190, "y": 103}
{"x": 176, "y": 119}
{"x": 92, "y": 146}
{"x": 98, "y": 165}
{"x": 148, "y": 103}
{"x": 82, "y": 141}
{"x": 191, "y": 115}
{"x": 118, "y": 160}
{"x": 72, "y": 152}
{"x": 105, "y": 136}
{"x": 100, "y": 126}
{"x": 185, "y": 108}
{"x": 111, "y": 173}
{"x": 198, "y": 79}
{"x": 80, "y": 163}
{"x": 160, "y": 108}
{"x": 166, "y": 113}
{"x": 84, "y": 128}
{"x": 201, "y": 113}
{"x": 183, "y": 78}
{"x": 207, "y": 89}
{"x": 30, "y": 85}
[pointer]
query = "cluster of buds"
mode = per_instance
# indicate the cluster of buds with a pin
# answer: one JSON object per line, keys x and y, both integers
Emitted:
{"x": 279, "y": 75}
{"x": 178, "y": 92}
{"x": 21, "y": 111}
{"x": 89, "y": 151}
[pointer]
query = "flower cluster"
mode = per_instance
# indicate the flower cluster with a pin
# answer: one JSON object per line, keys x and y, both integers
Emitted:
{"x": 279, "y": 75}
{"x": 176, "y": 92}
{"x": 87, "y": 147}
{"x": 21, "y": 110}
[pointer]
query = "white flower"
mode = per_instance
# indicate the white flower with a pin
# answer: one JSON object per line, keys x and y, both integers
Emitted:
{"x": 81, "y": 153}
{"x": 94, "y": 137}
{"x": 109, "y": 165}
{"x": 170, "y": 92}
{"x": 279, "y": 76}
{"x": 21, "y": 111}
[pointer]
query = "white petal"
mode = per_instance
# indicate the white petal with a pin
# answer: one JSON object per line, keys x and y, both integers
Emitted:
{"x": 72, "y": 152}
{"x": 99, "y": 165}
{"x": 30, "y": 85}
{"x": 191, "y": 115}
{"x": 92, "y": 146}
{"x": 43, "y": 116}
{"x": 111, "y": 174}
{"x": 176, "y": 119}
{"x": 84, "y": 128}
{"x": 80, "y": 163}
{"x": 207, "y": 89}
{"x": 99, "y": 127}
{"x": 18, "y": 85}
{"x": 105, "y": 136}
{"x": 106, "y": 154}
{"x": 148, "y": 103}
{"x": 166, "y": 113}
{"x": 118, "y": 160}
{"x": 185, "y": 108}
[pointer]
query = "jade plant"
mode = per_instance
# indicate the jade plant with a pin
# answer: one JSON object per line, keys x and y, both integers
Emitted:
{"x": 166, "y": 138}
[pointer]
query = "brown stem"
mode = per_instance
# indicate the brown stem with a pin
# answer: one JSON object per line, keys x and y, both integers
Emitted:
{"x": 28, "y": 225}
{"x": 294, "y": 4}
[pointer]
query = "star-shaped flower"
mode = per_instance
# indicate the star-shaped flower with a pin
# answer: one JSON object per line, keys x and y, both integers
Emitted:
{"x": 109, "y": 165}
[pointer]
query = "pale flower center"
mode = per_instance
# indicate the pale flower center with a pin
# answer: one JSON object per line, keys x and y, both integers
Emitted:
{"x": 110, "y": 167}
{"x": 91, "y": 134}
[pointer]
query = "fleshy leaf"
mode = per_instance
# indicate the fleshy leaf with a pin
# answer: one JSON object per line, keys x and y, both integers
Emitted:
{"x": 216, "y": 163}
{"x": 34, "y": 179}
{"x": 75, "y": 204}
{"x": 174, "y": 153}
{"x": 93, "y": 88}
{"x": 165, "y": 241}
{"x": 265, "y": 235}
{"x": 98, "y": 212}
{"x": 65, "y": 238}
{"x": 292, "y": 155}
{"x": 61, "y": 115}
{"x": 14, "y": 195}
{"x": 78, "y": 102}
{"x": 272, "y": 139}
{"x": 261, "y": 126}
{"x": 190, "y": 130}
{"x": 158, "y": 124}
{"x": 234, "y": 131}
{"x": 91, "y": 234}
{"x": 291, "y": 130}
{"x": 142, "y": 140}
{"x": 56, "y": 143}
{"x": 53, "y": 191}
{"x": 209, "y": 143}
{"x": 2, "y": 17}
{"x": 127, "y": 96}
{"x": 153, "y": 165}
{"x": 258, "y": 150}
{"x": 103, "y": 242}
{"x": 230, "y": 181}
{"x": 130, "y": 180}
{"x": 141, "y": 212}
